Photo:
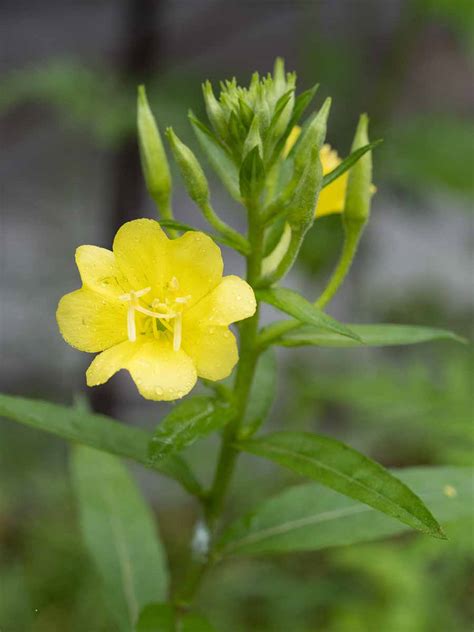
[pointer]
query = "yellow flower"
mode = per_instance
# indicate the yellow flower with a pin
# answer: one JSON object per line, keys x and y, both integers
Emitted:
{"x": 157, "y": 307}
{"x": 331, "y": 198}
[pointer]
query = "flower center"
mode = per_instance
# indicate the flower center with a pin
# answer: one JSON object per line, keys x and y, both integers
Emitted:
{"x": 167, "y": 317}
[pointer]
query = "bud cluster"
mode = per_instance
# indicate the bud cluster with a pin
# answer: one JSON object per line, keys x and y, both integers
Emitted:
{"x": 257, "y": 116}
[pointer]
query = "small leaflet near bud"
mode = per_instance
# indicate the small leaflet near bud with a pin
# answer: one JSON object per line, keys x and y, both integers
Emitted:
{"x": 359, "y": 185}
{"x": 191, "y": 171}
{"x": 252, "y": 174}
{"x": 153, "y": 157}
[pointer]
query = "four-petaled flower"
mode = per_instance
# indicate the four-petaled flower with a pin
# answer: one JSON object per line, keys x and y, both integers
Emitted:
{"x": 157, "y": 307}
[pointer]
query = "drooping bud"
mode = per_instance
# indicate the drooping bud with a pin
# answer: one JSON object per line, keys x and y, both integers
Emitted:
{"x": 359, "y": 185}
{"x": 191, "y": 171}
{"x": 153, "y": 157}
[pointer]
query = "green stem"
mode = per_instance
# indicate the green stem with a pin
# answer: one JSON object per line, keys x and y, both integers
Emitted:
{"x": 249, "y": 352}
{"x": 165, "y": 211}
{"x": 351, "y": 241}
{"x": 216, "y": 222}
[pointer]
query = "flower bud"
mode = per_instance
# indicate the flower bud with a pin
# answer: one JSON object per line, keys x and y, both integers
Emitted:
{"x": 314, "y": 136}
{"x": 154, "y": 162}
{"x": 214, "y": 110}
{"x": 302, "y": 204}
{"x": 191, "y": 171}
{"x": 359, "y": 185}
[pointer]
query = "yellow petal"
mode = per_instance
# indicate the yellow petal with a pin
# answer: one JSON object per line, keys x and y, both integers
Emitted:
{"x": 331, "y": 198}
{"x": 100, "y": 272}
{"x": 107, "y": 363}
{"x": 291, "y": 140}
{"x": 212, "y": 349}
{"x": 91, "y": 322}
{"x": 140, "y": 248}
{"x": 161, "y": 373}
{"x": 196, "y": 262}
{"x": 232, "y": 300}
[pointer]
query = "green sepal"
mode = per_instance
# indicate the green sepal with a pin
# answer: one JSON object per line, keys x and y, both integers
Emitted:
{"x": 252, "y": 174}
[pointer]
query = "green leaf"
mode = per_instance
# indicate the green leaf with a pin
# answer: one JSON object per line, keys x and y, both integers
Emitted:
{"x": 189, "y": 420}
{"x": 347, "y": 471}
{"x": 310, "y": 517}
{"x": 96, "y": 431}
{"x": 348, "y": 162}
{"x": 297, "y": 306}
{"x": 371, "y": 336}
{"x": 225, "y": 240}
{"x": 301, "y": 103}
{"x": 252, "y": 174}
{"x": 217, "y": 157}
{"x": 119, "y": 532}
{"x": 194, "y": 622}
{"x": 262, "y": 393}
{"x": 156, "y": 617}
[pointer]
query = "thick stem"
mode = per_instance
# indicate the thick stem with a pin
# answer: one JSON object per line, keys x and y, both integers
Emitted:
{"x": 249, "y": 353}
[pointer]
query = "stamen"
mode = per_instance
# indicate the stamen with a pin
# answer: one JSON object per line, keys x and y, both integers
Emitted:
{"x": 174, "y": 283}
{"x": 177, "y": 332}
{"x": 131, "y": 327}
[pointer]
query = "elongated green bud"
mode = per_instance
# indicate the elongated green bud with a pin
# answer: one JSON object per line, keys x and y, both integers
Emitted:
{"x": 191, "y": 171}
{"x": 359, "y": 185}
{"x": 214, "y": 110}
{"x": 303, "y": 202}
{"x": 313, "y": 136}
{"x": 153, "y": 157}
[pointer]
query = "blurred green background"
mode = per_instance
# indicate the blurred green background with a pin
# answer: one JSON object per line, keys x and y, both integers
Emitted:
{"x": 71, "y": 175}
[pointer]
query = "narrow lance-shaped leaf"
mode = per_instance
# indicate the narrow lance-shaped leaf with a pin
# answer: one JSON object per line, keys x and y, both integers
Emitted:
{"x": 119, "y": 533}
{"x": 310, "y": 517}
{"x": 370, "y": 336}
{"x": 96, "y": 431}
{"x": 188, "y": 421}
{"x": 348, "y": 162}
{"x": 297, "y": 306}
{"x": 262, "y": 394}
{"x": 348, "y": 472}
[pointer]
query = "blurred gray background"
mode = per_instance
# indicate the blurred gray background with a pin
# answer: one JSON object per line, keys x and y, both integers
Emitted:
{"x": 70, "y": 175}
